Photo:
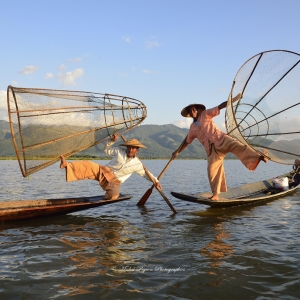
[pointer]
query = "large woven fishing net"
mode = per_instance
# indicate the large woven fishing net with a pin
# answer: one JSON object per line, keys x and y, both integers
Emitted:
{"x": 267, "y": 117}
{"x": 48, "y": 123}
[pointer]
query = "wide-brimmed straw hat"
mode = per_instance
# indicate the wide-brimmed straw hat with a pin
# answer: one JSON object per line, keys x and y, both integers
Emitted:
{"x": 133, "y": 143}
{"x": 186, "y": 111}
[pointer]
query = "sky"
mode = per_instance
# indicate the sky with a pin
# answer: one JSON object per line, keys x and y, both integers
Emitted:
{"x": 166, "y": 53}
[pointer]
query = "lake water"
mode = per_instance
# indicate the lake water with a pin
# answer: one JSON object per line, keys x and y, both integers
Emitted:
{"x": 122, "y": 251}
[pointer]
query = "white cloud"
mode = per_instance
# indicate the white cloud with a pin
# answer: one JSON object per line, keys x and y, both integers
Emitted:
{"x": 183, "y": 123}
{"x": 76, "y": 59}
{"x": 146, "y": 71}
{"x": 62, "y": 67}
{"x": 73, "y": 119}
{"x": 152, "y": 44}
{"x": 3, "y": 99}
{"x": 186, "y": 123}
{"x": 70, "y": 77}
{"x": 124, "y": 74}
{"x": 49, "y": 75}
{"x": 287, "y": 125}
{"x": 127, "y": 39}
{"x": 29, "y": 69}
{"x": 3, "y": 106}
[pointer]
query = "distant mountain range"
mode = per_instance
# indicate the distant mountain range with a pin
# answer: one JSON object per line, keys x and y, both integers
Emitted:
{"x": 161, "y": 142}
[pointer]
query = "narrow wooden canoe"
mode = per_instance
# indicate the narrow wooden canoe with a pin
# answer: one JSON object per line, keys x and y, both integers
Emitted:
{"x": 26, "y": 209}
{"x": 245, "y": 194}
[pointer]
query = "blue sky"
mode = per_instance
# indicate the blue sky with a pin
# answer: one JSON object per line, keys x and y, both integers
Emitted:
{"x": 166, "y": 53}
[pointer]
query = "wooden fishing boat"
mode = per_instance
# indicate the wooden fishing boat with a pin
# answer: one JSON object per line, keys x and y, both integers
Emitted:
{"x": 245, "y": 194}
{"x": 27, "y": 209}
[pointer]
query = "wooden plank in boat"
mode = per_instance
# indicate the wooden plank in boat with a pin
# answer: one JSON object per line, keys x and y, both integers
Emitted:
{"x": 26, "y": 209}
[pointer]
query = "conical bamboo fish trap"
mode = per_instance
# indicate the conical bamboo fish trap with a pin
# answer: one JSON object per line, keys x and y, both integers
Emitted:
{"x": 267, "y": 117}
{"x": 48, "y": 123}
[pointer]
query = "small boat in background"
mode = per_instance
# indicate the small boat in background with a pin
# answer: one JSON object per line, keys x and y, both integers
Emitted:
{"x": 246, "y": 194}
{"x": 27, "y": 209}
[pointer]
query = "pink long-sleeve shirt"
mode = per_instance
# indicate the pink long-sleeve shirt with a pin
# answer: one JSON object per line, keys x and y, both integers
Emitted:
{"x": 206, "y": 131}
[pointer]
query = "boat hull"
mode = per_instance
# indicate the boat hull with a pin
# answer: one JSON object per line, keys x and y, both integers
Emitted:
{"x": 246, "y": 194}
{"x": 27, "y": 209}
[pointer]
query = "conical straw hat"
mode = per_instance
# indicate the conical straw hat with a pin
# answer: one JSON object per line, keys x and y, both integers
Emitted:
{"x": 133, "y": 143}
{"x": 185, "y": 111}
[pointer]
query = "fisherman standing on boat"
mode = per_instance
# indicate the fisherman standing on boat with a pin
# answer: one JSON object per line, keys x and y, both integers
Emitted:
{"x": 216, "y": 144}
{"x": 124, "y": 162}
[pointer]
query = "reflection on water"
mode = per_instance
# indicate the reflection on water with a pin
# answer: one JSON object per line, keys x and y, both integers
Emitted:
{"x": 122, "y": 251}
{"x": 217, "y": 249}
{"x": 93, "y": 252}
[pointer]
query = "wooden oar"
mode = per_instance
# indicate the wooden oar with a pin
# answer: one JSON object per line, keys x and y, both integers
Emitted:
{"x": 160, "y": 191}
{"x": 149, "y": 191}
{"x": 153, "y": 181}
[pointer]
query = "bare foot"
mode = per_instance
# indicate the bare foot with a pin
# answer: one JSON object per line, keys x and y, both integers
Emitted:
{"x": 214, "y": 198}
{"x": 264, "y": 157}
{"x": 63, "y": 162}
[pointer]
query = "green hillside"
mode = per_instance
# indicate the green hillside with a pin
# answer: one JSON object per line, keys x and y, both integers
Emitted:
{"x": 6, "y": 145}
{"x": 161, "y": 141}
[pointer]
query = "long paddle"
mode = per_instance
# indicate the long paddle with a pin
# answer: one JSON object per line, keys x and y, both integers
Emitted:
{"x": 149, "y": 191}
{"x": 153, "y": 181}
{"x": 160, "y": 191}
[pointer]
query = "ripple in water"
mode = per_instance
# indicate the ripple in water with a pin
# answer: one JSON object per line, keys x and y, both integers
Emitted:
{"x": 123, "y": 251}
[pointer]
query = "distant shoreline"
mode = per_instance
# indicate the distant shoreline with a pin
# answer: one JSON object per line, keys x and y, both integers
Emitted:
{"x": 107, "y": 158}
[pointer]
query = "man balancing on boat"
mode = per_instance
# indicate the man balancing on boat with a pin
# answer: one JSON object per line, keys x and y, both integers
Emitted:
{"x": 124, "y": 162}
{"x": 217, "y": 144}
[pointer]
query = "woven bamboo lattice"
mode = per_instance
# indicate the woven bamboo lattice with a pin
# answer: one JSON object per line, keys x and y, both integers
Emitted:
{"x": 267, "y": 117}
{"x": 48, "y": 123}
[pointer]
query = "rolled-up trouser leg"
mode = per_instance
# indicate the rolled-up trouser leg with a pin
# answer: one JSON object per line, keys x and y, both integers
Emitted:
{"x": 216, "y": 172}
{"x": 81, "y": 170}
{"x": 112, "y": 190}
{"x": 249, "y": 157}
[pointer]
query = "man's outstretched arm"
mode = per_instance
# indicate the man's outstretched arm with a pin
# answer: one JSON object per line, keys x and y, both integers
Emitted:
{"x": 236, "y": 98}
{"x": 222, "y": 105}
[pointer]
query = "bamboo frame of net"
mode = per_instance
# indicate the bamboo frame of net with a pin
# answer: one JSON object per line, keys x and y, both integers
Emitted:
{"x": 266, "y": 116}
{"x": 48, "y": 123}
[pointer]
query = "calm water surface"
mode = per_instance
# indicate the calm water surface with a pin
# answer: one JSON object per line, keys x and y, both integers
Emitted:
{"x": 121, "y": 251}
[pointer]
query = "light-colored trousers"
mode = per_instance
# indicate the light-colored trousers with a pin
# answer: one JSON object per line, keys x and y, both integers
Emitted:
{"x": 215, "y": 161}
{"x": 85, "y": 169}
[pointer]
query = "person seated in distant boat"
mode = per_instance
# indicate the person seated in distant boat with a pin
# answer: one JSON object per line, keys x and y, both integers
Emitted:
{"x": 124, "y": 162}
{"x": 217, "y": 144}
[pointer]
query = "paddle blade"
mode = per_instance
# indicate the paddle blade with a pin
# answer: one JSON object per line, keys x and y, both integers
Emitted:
{"x": 144, "y": 199}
